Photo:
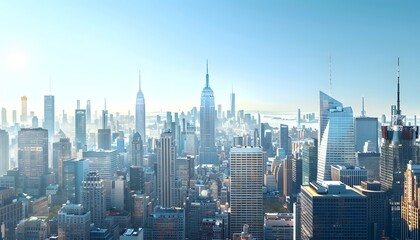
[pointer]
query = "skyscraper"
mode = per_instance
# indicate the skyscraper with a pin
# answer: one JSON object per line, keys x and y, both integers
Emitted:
{"x": 33, "y": 152}
{"x": 49, "y": 114}
{"x": 93, "y": 197}
{"x": 24, "y": 115}
{"x": 397, "y": 149}
{"x": 140, "y": 112}
{"x": 166, "y": 170}
{"x": 74, "y": 172}
{"x": 136, "y": 151}
{"x": 104, "y": 134}
{"x": 208, "y": 152}
{"x": 4, "y": 118}
{"x": 4, "y": 152}
{"x": 246, "y": 198}
{"x": 309, "y": 162}
{"x": 80, "y": 128}
{"x": 61, "y": 152}
{"x": 336, "y": 136}
{"x": 88, "y": 113}
{"x": 232, "y": 105}
{"x": 284, "y": 138}
{"x": 33, "y": 159}
{"x": 168, "y": 223}
{"x": 366, "y": 129}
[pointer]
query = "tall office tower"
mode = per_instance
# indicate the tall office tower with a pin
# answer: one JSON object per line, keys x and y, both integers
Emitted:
{"x": 284, "y": 138}
{"x": 287, "y": 177}
{"x": 196, "y": 210}
{"x": 166, "y": 170}
{"x": 4, "y": 152}
{"x": 398, "y": 146}
{"x": 80, "y": 129}
{"x": 208, "y": 152}
{"x": 191, "y": 141}
{"x": 232, "y": 105}
{"x": 140, "y": 112}
{"x": 168, "y": 223}
{"x": 332, "y": 211}
{"x": 61, "y": 152}
{"x": 33, "y": 158}
{"x": 299, "y": 119}
{"x": 335, "y": 135}
{"x": 278, "y": 226}
{"x": 32, "y": 228}
{"x": 136, "y": 179}
{"x": 103, "y": 161}
{"x": 4, "y": 123}
{"x": 246, "y": 199}
{"x": 136, "y": 151}
{"x": 74, "y": 172}
{"x": 349, "y": 175}
{"x": 11, "y": 212}
{"x": 183, "y": 173}
{"x": 49, "y": 115}
{"x": 256, "y": 138}
{"x": 24, "y": 115}
{"x": 104, "y": 134}
{"x": 377, "y": 208}
{"x": 219, "y": 111}
{"x": 410, "y": 207}
{"x": 140, "y": 209}
{"x": 34, "y": 122}
{"x": 73, "y": 222}
{"x": 93, "y": 197}
{"x": 309, "y": 161}
{"x": 88, "y": 112}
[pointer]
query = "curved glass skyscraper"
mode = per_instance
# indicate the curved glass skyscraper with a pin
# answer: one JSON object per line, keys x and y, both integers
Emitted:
{"x": 208, "y": 153}
{"x": 336, "y": 136}
{"x": 140, "y": 113}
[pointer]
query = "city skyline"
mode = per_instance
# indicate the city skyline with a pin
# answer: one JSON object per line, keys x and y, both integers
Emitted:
{"x": 98, "y": 54}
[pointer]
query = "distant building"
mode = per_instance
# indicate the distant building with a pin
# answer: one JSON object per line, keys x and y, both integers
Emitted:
{"x": 74, "y": 173}
{"x": 32, "y": 228}
{"x": 349, "y": 175}
{"x": 80, "y": 128}
{"x": 49, "y": 115}
{"x": 103, "y": 161}
{"x": 366, "y": 129}
{"x": 333, "y": 211}
{"x": 310, "y": 162}
{"x": 278, "y": 226}
{"x": 284, "y": 138}
{"x": 61, "y": 152}
{"x": 4, "y": 152}
{"x": 24, "y": 116}
{"x": 336, "y": 136}
{"x": 168, "y": 223}
{"x": 141, "y": 112}
{"x": 136, "y": 151}
{"x": 93, "y": 197}
{"x": 371, "y": 162}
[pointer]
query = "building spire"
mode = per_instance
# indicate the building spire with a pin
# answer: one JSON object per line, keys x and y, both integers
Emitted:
{"x": 207, "y": 74}
{"x": 139, "y": 80}
{"x": 363, "y": 107}
{"x": 398, "y": 88}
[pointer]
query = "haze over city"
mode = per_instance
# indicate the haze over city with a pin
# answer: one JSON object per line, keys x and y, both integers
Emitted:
{"x": 275, "y": 54}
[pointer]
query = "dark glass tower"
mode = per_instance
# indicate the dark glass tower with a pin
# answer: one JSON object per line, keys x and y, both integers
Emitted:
{"x": 140, "y": 113}
{"x": 208, "y": 153}
{"x": 397, "y": 149}
{"x": 80, "y": 128}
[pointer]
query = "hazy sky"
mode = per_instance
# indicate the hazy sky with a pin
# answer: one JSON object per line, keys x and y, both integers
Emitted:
{"x": 275, "y": 54}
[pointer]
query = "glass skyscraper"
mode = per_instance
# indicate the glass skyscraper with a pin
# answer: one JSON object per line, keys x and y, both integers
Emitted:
{"x": 80, "y": 128}
{"x": 140, "y": 113}
{"x": 49, "y": 114}
{"x": 208, "y": 153}
{"x": 336, "y": 136}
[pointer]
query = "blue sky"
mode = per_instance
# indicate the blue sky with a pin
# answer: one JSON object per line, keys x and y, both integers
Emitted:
{"x": 275, "y": 54}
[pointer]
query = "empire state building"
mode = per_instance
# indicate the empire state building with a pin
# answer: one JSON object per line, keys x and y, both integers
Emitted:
{"x": 208, "y": 153}
{"x": 140, "y": 113}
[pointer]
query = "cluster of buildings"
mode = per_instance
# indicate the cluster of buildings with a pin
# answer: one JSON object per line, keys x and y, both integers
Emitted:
{"x": 208, "y": 174}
